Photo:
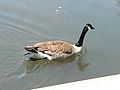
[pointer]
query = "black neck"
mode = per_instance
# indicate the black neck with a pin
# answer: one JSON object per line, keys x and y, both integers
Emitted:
{"x": 82, "y": 36}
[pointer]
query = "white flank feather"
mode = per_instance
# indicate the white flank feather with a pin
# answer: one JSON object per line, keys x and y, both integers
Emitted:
{"x": 42, "y": 55}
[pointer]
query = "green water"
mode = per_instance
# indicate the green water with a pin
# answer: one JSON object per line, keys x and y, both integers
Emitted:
{"x": 26, "y": 22}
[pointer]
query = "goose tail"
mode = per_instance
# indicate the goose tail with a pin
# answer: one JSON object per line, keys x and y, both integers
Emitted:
{"x": 31, "y": 49}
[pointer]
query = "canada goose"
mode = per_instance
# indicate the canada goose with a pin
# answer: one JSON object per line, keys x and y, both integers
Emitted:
{"x": 57, "y": 49}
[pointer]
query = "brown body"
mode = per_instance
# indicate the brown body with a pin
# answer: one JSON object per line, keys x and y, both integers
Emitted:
{"x": 55, "y": 49}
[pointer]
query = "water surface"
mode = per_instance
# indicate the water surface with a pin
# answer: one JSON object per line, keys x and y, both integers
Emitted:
{"x": 27, "y": 22}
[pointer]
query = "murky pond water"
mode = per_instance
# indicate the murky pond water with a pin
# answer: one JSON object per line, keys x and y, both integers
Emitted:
{"x": 26, "y": 22}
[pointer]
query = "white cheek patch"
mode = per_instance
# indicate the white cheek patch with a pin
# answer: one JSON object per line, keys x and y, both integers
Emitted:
{"x": 88, "y": 27}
